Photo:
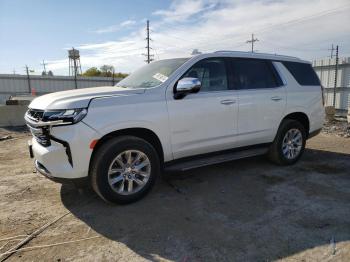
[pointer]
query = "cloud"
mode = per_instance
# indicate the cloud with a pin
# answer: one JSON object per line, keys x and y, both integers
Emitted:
{"x": 181, "y": 10}
{"x": 128, "y": 23}
{"x": 115, "y": 28}
{"x": 292, "y": 27}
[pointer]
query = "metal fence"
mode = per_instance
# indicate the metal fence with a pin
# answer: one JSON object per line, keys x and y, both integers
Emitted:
{"x": 14, "y": 85}
{"x": 342, "y": 98}
{"x": 325, "y": 69}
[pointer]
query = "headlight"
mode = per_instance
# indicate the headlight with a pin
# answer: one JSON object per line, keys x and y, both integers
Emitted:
{"x": 69, "y": 116}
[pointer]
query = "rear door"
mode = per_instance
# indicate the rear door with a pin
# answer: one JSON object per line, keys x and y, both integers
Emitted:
{"x": 262, "y": 100}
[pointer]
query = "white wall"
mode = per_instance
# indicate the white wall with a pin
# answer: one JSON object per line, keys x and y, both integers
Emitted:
{"x": 325, "y": 69}
{"x": 18, "y": 84}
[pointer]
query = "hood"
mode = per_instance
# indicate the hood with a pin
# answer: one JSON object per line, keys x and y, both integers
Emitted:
{"x": 79, "y": 98}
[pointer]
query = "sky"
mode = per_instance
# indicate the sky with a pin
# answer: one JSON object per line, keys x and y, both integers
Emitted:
{"x": 113, "y": 32}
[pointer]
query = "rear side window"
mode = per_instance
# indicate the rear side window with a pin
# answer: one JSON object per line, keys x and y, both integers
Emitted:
{"x": 253, "y": 74}
{"x": 303, "y": 73}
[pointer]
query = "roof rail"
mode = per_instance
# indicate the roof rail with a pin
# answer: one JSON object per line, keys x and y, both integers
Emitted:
{"x": 256, "y": 53}
{"x": 224, "y": 51}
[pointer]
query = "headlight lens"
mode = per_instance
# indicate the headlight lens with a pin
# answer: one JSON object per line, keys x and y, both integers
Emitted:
{"x": 69, "y": 116}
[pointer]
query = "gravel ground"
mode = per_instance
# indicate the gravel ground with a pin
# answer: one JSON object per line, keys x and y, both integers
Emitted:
{"x": 338, "y": 128}
{"x": 246, "y": 210}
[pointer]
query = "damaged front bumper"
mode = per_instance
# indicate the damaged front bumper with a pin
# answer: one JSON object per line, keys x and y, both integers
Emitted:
{"x": 61, "y": 152}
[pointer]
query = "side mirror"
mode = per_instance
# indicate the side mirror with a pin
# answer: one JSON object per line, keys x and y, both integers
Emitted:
{"x": 186, "y": 86}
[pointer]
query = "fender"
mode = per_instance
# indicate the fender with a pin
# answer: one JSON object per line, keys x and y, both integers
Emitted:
{"x": 108, "y": 115}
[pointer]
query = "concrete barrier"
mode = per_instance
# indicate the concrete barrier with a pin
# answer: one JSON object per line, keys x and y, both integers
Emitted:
{"x": 12, "y": 115}
{"x": 330, "y": 113}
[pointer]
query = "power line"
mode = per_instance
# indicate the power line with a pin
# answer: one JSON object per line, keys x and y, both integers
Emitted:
{"x": 293, "y": 48}
{"x": 252, "y": 41}
{"x": 155, "y": 50}
{"x": 302, "y": 19}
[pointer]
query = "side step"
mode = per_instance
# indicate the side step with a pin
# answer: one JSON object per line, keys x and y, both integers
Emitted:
{"x": 206, "y": 160}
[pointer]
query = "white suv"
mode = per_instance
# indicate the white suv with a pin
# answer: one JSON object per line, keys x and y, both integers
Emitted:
{"x": 176, "y": 114}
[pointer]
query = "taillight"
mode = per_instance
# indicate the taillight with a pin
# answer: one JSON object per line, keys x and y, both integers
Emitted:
{"x": 322, "y": 95}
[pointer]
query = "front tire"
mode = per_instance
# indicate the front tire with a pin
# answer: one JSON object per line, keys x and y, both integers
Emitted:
{"x": 289, "y": 143}
{"x": 124, "y": 169}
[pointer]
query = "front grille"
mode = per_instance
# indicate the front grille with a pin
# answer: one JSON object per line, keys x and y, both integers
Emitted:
{"x": 35, "y": 114}
{"x": 41, "y": 134}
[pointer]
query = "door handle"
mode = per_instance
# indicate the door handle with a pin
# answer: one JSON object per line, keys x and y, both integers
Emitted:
{"x": 228, "y": 102}
{"x": 276, "y": 98}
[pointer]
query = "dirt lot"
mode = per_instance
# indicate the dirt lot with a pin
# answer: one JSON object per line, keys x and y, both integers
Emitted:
{"x": 247, "y": 210}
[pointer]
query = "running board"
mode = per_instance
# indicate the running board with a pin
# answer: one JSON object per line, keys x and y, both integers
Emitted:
{"x": 187, "y": 164}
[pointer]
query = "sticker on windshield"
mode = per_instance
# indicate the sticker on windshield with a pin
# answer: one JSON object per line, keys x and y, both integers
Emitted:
{"x": 162, "y": 78}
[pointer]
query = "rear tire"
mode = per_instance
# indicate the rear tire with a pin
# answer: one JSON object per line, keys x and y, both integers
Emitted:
{"x": 289, "y": 143}
{"x": 124, "y": 169}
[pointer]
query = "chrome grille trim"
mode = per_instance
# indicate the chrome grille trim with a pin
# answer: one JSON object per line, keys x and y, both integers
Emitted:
{"x": 35, "y": 115}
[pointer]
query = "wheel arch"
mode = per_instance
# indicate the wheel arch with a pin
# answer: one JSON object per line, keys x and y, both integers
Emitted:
{"x": 300, "y": 117}
{"x": 143, "y": 133}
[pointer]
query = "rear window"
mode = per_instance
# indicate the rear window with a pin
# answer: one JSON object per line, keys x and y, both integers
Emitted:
{"x": 303, "y": 73}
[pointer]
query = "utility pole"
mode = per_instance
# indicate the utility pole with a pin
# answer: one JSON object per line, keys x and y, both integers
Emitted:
{"x": 252, "y": 42}
{"x": 44, "y": 65}
{"x": 113, "y": 73}
{"x": 14, "y": 71}
{"x": 332, "y": 49}
{"x": 148, "y": 55}
{"x": 336, "y": 73}
{"x": 75, "y": 73}
{"x": 28, "y": 79}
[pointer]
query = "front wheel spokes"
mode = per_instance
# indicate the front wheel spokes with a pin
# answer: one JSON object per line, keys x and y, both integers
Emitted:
{"x": 136, "y": 159}
{"x": 139, "y": 181}
{"x": 129, "y": 172}
{"x": 130, "y": 185}
{"x": 292, "y": 143}
{"x": 128, "y": 157}
{"x": 116, "y": 179}
{"x": 121, "y": 187}
{"x": 120, "y": 162}
{"x": 115, "y": 170}
{"x": 139, "y": 167}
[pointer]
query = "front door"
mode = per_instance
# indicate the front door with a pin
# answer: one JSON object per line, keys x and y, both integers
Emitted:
{"x": 205, "y": 121}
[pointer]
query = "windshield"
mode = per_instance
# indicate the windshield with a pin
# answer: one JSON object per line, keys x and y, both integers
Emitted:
{"x": 152, "y": 74}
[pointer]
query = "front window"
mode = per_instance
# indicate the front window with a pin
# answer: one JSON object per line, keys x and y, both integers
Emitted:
{"x": 153, "y": 74}
{"x": 211, "y": 72}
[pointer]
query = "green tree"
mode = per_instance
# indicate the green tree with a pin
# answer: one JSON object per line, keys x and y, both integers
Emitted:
{"x": 93, "y": 71}
{"x": 104, "y": 71}
{"x": 107, "y": 70}
{"x": 120, "y": 75}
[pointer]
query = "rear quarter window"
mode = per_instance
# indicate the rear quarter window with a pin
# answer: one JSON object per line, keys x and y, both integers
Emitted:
{"x": 303, "y": 73}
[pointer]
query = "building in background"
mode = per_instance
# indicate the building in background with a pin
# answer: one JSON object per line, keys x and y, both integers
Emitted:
{"x": 325, "y": 69}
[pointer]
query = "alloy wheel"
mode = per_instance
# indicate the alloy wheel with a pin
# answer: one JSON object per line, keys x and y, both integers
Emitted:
{"x": 129, "y": 172}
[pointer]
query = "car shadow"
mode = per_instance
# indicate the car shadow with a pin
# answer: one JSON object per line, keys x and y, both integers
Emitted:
{"x": 241, "y": 210}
